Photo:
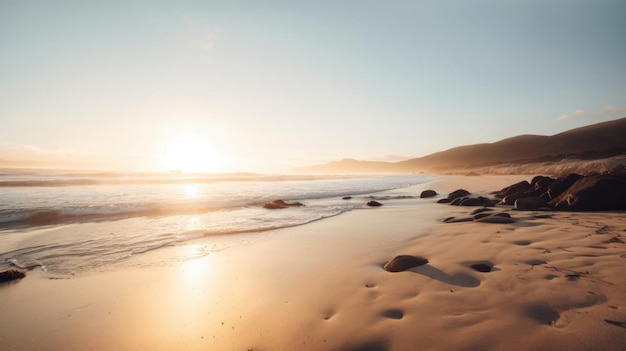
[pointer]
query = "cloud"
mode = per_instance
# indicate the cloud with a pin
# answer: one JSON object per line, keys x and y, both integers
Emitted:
{"x": 563, "y": 117}
{"x": 605, "y": 111}
{"x": 611, "y": 109}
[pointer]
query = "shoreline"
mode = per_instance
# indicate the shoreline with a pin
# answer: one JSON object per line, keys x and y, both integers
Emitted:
{"x": 321, "y": 286}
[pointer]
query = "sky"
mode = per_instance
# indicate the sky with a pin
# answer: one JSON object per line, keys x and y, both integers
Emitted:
{"x": 263, "y": 86}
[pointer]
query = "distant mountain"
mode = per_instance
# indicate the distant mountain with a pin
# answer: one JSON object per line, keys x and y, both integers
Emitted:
{"x": 591, "y": 142}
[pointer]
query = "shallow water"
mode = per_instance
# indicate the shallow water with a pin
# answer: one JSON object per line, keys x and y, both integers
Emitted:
{"x": 65, "y": 224}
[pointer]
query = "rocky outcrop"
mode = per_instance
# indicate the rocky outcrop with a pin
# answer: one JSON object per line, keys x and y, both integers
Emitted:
{"x": 531, "y": 203}
{"x": 593, "y": 193}
{"x": 460, "y": 193}
{"x": 279, "y": 204}
{"x": 473, "y": 201}
{"x": 373, "y": 203}
{"x": 574, "y": 192}
{"x": 562, "y": 184}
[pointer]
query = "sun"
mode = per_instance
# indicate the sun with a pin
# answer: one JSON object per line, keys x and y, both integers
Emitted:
{"x": 190, "y": 154}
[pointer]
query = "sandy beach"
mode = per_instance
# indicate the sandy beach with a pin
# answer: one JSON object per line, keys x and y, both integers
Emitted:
{"x": 556, "y": 283}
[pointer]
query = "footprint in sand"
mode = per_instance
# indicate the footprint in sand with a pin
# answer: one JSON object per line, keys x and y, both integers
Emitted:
{"x": 542, "y": 313}
{"x": 535, "y": 262}
{"x": 328, "y": 315}
{"x": 393, "y": 314}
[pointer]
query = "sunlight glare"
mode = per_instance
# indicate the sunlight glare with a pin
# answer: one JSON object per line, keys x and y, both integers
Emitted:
{"x": 191, "y": 154}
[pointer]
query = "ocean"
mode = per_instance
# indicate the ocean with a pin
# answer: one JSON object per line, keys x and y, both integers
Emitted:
{"x": 67, "y": 222}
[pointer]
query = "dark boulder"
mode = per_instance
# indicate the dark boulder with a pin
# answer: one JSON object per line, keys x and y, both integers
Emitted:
{"x": 346, "y": 198}
{"x": 593, "y": 193}
{"x": 562, "y": 184}
{"x": 482, "y": 215}
{"x": 529, "y": 203}
{"x": 541, "y": 184}
{"x": 458, "y": 193}
{"x": 11, "y": 274}
{"x": 428, "y": 193}
{"x": 457, "y": 201}
{"x": 479, "y": 210}
{"x": 458, "y": 220}
{"x": 444, "y": 201}
{"x": 516, "y": 188}
{"x": 373, "y": 203}
{"x": 511, "y": 198}
{"x": 473, "y": 201}
{"x": 403, "y": 262}
{"x": 279, "y": 204}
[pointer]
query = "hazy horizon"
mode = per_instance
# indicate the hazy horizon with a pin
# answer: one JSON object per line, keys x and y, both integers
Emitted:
{"x": 245, "y": 86}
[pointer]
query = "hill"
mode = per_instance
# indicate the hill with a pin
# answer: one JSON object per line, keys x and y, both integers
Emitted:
{"x": 597, "y": 141}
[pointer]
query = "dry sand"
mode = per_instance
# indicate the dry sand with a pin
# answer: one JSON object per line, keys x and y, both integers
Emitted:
{"x": 557, "y": 284}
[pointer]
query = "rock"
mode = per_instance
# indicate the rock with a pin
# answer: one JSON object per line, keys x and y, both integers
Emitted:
{"x": 496, "y": 220}
{"x": 481, "y": 267}
{"x": 373, "y": 203}
{"x": 403, "y": 262}
{"x": 11, "y": 274}
{"x": 479, "y": 210}
{"x": 483, "y": 215}
{"x": 529, "y": 203}
{"x": 428, "y": 193}
{"x": 541, "y": 184}
{"x": 471, "y": 201}
{"x": 458, "y": 220}
{"x": 476, "y": 201}
{"x": 278, "y": 204}
{"x": 560, "y": 185}
{"x": 457, "y": 201}
{"x": 346, "y": 198}
{"x": 502, "y": 214}
{"x": 458, "y": 193}
{"x": 444, "y": 201}
{"x": 593, "y": 193}
{"x": 520, "y": 187}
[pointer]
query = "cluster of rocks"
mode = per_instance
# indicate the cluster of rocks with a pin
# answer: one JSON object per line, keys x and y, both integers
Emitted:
{"x": 574, "y": 192}
{"x": 461, "y": 198}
